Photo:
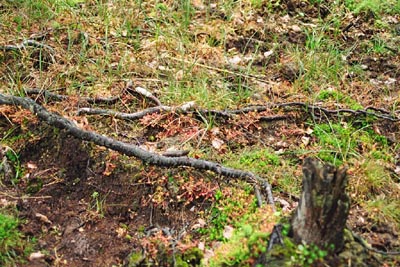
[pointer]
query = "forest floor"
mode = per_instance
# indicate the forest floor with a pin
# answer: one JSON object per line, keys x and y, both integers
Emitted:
{"x": 327, "y": 76}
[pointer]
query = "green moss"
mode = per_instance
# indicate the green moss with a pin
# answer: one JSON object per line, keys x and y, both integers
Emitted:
{"x": 342, "y": 141}
{"x": 13, "y": 246}
{"x": 257, "y": 160}
{"x": 375, "y": 7}
{"x": 191, "y": 257}
{"x": 246, "y": 244}
{"x": 339, "y": 97}
{"x": 135, "y": 259}
{"x": 337, "y": 140}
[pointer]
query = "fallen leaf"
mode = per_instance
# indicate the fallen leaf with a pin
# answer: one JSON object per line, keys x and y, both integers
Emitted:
{"x": 397, "y": 170}
{"x": 36, "y": 256}
{"x": 268, "y": 53}
{"x": 217, "y": 143}
{"x": 309, "y": 131}
{"x": 235, "y": 60}
{"x": 43, "y": 218}
{"x": 179, "y": 75}
{"x": 305, "y": 140}
{"x": 228, "y": 231}
{"x": 31, "y": 166}
{"x": 201, "y": 246}
{"x": 296, "y": 28}
{"x": 121, "y": 232}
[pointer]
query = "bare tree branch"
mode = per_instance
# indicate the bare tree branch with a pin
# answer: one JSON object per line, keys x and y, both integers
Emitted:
{"x": 131, "y": 150}
{"x": 56, "y": 97}
{"x": 311, "y": 109}
{"x": 25, "y": 44}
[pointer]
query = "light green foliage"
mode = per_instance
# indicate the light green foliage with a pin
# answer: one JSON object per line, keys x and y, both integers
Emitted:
{"x": 13, "y": 159}
{"x": 245, "y": 243}
{"x": 339, "y": 97}
{"x": 320, "y": 61}
{"x": 226, "y": 210}
{"x": 257, "y": 160}
{"x": 98, "y": 203}
{"x": 383, "y": 210}
{"x": 379, "y": 46}
{"x": 304, "y": 255}
{"x": 12, "y": 244}
{"x": 339, "y": 142}
{"x": 376, "y": 7}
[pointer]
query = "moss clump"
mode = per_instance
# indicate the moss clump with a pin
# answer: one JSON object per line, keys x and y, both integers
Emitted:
{"x": 13, "y": 247}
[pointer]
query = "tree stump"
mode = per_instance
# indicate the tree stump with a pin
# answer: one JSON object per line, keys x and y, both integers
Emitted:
{"x": 323, "y": 208}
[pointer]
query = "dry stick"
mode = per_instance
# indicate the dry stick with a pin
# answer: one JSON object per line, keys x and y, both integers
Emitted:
{"x": 225, "y": 113}
{"x": 229, "y": 113}
{"x": 183, "y": 109}
{"x": 142, "y": 91}
{"x": 56, "y": 97}
{"x": 26, "y": 43}
{"x": 313, "y": 108}
{"x": 131, "y": 150}
{"x": 122, "y": 115}
{"x": 369, "y": 247}
{"x": 31, "y": 43}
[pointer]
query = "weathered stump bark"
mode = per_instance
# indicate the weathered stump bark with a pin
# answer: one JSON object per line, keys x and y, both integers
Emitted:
{"x": 323, "y": 208}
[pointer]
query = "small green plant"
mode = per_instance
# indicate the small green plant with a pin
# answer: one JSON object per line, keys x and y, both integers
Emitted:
{"x": 306, "y": 255}
{"x": 383, "y": 210}
{"x": 229, "y": 210}
{"x": 98, "y": 203}
{"x": 257, "y": 160}
{"x": 378, "y": 46}
{"x": 375, "y": 7}
{"x": 338, "y": 141}
{"x": 246, "y": 244}
{"x": 339, "y": 97}
{"x": 219, "y": 218}
{"x": 12, "y": 244}
{"x": 15, "y": 163}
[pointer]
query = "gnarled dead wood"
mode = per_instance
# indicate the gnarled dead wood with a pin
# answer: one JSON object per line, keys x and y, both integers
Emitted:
{"x": 132, "y": 150}
{"x": 321, "y": 215}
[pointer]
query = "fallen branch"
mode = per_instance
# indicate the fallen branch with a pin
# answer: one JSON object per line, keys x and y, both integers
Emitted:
{"x": 56, "y": 97}
{"x": 134, "y": 151}
{"x": 142, "y": 91}
{"x": 122, "y": 115}
{"x": 25, "y": 44}
{"x": 135, "y": 115}
{"x": 311, "y": 109}
{"x": 30, "y": 43}
{"x": 383, "y": 114}
{"x": 367, "y": 246}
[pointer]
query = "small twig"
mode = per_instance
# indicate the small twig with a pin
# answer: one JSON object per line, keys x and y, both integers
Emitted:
{"x": 136, "y": 115}
{"x": 230, "y": 113}
{"x": 30, "y": 43}
{"x": 122, "y": 115}
{"x": 367, "y": 246}
{"x": 23, "y": 197}
{"x": 56, "y": 97}
{"x": 25, "y": 44}
{"x": 176, "y": 153}
{"x": 143, "y": 92}
{"x": 47, "y": 94}
{"x": 275, "y": 118}
{"x": 313, "y": 108}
